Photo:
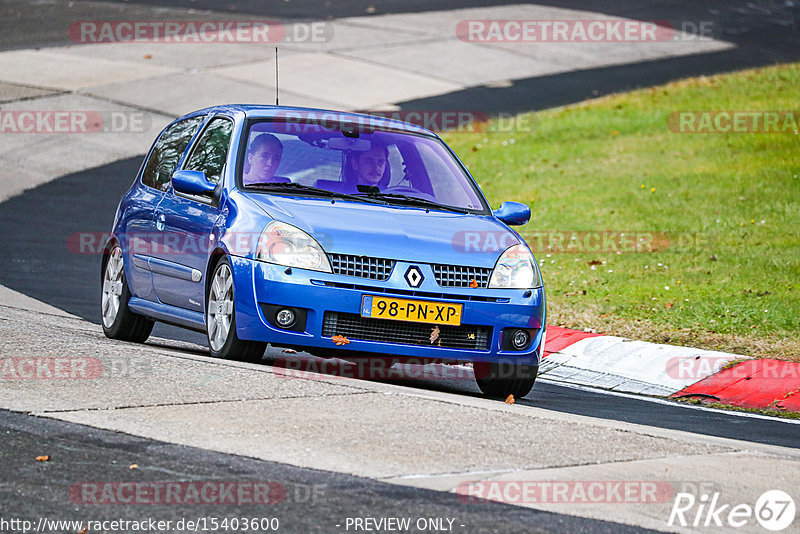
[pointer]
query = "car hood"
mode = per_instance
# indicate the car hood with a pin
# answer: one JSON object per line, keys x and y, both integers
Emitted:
{"x": 396, "y": 232}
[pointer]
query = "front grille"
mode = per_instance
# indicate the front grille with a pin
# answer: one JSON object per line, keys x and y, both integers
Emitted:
{"x": 354, "y": 326}
{"x": 458, "y": 276}
{"x": 361, "y": 266}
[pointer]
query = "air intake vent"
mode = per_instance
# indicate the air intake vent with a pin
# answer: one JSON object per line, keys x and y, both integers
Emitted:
{"x": 362, "y": 266}
{"x": 458, "y": 276}
{"x": 354, "y": 326}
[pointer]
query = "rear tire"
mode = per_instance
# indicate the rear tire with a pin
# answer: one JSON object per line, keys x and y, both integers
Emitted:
{"x": 221, "y": 320}
{"x": 504, "y": 379}
{"x": 119, "y": 322}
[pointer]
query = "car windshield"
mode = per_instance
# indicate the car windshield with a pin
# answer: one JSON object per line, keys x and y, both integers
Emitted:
{"x": 357, "y": 160}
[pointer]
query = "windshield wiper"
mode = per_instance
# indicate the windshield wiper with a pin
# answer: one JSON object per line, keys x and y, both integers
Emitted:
{"x": 291, "y": 186}
{"x": 414, "y": 201}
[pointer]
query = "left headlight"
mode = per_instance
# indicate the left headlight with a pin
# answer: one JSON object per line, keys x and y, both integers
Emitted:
{"x": 516, "y": 269}
{"x": 287, "y": 245}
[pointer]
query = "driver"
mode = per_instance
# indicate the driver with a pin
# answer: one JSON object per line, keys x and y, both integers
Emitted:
{"x": 370, "y": 166}
{"x": 263, "y": 158}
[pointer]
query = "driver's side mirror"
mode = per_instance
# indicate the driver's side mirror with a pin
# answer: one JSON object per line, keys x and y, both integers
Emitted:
{"x": 192, "y": 183}
{"x": 513, "y": 213}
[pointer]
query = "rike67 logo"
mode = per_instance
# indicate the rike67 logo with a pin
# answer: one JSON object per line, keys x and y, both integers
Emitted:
{"x": 774, "y": 510}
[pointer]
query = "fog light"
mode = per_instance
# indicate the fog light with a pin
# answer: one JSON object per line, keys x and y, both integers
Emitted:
{"x": 285, "y": 318}
{"x": 520, "y": 339}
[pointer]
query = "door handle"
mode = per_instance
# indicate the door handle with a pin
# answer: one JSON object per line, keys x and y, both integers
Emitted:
{"x": 160, "y": 221}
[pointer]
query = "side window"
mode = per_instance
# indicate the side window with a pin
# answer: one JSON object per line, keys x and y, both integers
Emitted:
{"x": 211, "y": 151}
{"x": 167, "y": 151}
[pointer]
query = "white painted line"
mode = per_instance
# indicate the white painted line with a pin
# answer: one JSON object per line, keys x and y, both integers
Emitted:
{"x": 454, "y": 474}
{"x": 657, "y": 400}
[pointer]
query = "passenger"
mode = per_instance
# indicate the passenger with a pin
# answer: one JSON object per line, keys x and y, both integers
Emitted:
{"x": 262, "y": 160}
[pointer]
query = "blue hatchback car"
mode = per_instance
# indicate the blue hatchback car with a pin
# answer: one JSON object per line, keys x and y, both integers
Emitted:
{"x": 340, "y": 234}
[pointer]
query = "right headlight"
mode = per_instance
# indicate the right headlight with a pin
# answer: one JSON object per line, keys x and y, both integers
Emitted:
{"x": 285, "y": 244}
{"x": 516, "y": 269}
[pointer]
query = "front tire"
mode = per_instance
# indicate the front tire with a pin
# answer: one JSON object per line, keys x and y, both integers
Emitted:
{"x": 503, "y": 379}
{"x": 119, "y": 322}
{"x": 221, "y": 320}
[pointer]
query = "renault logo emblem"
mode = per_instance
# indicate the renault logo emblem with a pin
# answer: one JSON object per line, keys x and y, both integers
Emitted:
{"x": 414, "y": 276}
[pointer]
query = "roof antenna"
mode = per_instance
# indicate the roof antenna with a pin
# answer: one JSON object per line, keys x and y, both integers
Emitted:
{"x": 276, "y": 76}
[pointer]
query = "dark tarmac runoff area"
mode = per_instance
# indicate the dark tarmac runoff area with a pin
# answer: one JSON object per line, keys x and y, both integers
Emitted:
{"x": 88, "y": 477}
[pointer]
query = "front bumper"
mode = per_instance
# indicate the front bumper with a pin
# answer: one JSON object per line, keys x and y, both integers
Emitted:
{"x": 259, "y": 285}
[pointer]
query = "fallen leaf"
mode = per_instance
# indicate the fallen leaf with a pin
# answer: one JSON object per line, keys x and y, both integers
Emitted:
{"x": 510, "y": 399}
{"x": 340, "y": 340}
{"x": 473, "y": 283}
{"x": 595, "y": 262}
{"x": 290, "y": 351}
{"x": 42, "y": 458}
{"x": 133, "y": 466}
{"x": 84, "y": 530}
{"x": 668, "y": 305}
{"x": 148, "y": 56}
{"x": 434, "y": 334}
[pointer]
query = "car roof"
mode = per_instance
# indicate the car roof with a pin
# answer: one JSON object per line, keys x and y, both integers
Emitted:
{"x": 259, "y": 111}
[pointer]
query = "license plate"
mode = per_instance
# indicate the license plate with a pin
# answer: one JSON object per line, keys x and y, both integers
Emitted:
{"x": 416, "y": 311}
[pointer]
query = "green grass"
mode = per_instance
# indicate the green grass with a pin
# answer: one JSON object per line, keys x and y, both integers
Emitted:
{"x": 613, "y": 164}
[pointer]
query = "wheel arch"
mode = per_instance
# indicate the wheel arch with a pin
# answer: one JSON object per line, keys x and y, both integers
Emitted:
{"x": 110, "y": 244}
{"x": 213, "y": 259}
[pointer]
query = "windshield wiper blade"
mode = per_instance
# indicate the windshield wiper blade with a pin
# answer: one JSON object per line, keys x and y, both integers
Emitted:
{"x": 291, "y": 186}
{"x": 416, "y": 201}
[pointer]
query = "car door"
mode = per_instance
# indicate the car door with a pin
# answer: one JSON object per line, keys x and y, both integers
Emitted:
{"x": 186, "y": 221}
{"x": 141, "y": 234}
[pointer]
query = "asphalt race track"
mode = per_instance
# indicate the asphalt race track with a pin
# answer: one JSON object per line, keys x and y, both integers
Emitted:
{"x": 42, "y": 250}
{"x": 315, "y": 501}
{"x": 765, "y": 32}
